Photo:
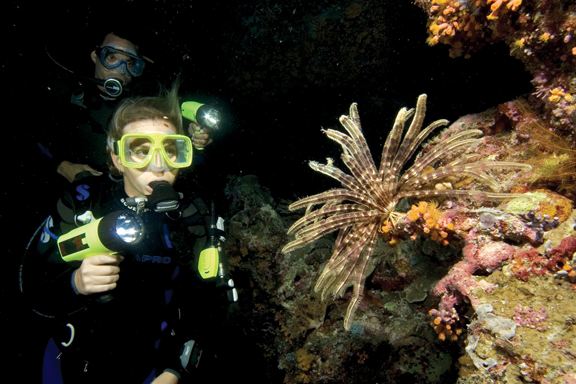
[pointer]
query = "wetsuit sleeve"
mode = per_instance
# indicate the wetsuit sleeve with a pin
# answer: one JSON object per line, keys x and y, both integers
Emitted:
{"x": 46, "y": 279}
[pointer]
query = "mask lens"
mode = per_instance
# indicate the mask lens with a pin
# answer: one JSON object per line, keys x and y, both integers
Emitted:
{"x": 177, "y": 151}
{"x": 137, "y": 151}
{"x": 113, "y": 58}
{"x": 170, "y": 150}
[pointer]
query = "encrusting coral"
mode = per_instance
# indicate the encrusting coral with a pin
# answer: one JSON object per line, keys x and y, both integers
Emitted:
{"x": 539, "y": 33}
{"x": 365, "y": 206}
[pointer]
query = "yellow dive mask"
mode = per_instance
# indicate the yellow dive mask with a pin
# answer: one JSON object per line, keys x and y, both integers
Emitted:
{"x": 157, "y": 151}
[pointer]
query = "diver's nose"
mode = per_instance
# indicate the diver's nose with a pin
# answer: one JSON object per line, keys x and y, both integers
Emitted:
{"x": 121, "y": 69}
{"x": 159, "y": 160}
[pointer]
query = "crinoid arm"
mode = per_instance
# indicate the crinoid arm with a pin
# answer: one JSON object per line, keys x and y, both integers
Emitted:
{"x": 330, "y": 224}
{"x": 356, "y": 154}
{"x": 395, "y": 153}
{"x": 336, "y": 194}
{"x": 348, "y": 266}
{"x": 457, "y": 142}
{"x": 477, "y": 195}
{"x": 475, "y": 170}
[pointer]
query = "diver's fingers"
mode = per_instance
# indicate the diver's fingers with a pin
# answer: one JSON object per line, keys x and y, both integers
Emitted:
{"x": 193, "y": 128}
{"x": 93, "y": 171}
{"x": 105, "y": 259}
{"x": 98, "y": 274}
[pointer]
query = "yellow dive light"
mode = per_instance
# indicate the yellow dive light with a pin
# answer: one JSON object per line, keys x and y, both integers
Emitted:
{"x": 202, "y": 114}
{"x": 107, "y": 235}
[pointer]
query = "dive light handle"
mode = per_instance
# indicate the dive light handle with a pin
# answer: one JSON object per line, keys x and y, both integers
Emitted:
{"x": 204, "y": 115}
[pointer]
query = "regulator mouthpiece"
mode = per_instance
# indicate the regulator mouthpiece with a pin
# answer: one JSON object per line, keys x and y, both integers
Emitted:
{"x": 163, "y": 198}
{"x": 113, "y": 87}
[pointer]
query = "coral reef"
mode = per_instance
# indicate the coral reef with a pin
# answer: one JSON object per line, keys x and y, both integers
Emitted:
{"x": 466, "y": 292}
{"x": 455, "y": 289}
{"x": 367, "y": 204}
{"x": 303, "y": 338}
{"x": 541, "y": 349}
{"x": 539, "y": 33}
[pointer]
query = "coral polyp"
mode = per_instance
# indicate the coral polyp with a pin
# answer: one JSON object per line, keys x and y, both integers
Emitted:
{"x": 365, "y": 207}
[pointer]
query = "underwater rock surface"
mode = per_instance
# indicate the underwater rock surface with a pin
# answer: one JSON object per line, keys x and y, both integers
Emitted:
{"x": 468, "y": 293}
{"x": 483, "y": 294}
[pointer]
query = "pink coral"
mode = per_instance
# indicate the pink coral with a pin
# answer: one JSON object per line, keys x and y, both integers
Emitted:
{"x": 487, "y": 257}
{"x": 566, "y": 248}
{"x": 530, "y": 318}
{"x": 529, "y": 261}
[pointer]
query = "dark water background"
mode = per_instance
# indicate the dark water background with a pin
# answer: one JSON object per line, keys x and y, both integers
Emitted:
{"x": 270, "y": 130}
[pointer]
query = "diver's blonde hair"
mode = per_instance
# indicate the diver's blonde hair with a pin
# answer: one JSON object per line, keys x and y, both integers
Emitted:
{"x": 165, "y": 106}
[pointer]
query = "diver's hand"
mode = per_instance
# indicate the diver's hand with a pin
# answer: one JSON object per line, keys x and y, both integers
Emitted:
{"x": 166, "y": 378}
{"x": 98, "y": 274}
{"x": 201, "y": 139}
{"x": 70, "y": 170}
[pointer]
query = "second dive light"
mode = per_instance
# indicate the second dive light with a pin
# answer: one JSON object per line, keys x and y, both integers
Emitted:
{"x": 202, "y": 114}
{"x": 107, "y": 235}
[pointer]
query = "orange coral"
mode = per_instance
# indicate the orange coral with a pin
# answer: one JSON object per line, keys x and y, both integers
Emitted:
{"x": 430, "y": 218}
{"x": 447, "y": 328}
{"x": 514, "y": 4}
{"x": 497, "y": 6}
{"x": 463, "y": 25}
{"x": 537, "y": 32}
{"x": 389, "y": 236}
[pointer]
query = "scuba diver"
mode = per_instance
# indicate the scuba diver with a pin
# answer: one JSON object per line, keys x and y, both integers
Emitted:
{"x": 118, "y": 63}
{"x": 120, "y": 314}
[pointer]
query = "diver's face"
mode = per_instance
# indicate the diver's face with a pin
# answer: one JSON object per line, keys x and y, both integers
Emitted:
{"x": 136, "y": 181}
{"x": 119, "y": 73}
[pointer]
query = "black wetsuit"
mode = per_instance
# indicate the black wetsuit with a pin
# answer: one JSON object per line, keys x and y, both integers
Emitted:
{"x": 124, "y": 339}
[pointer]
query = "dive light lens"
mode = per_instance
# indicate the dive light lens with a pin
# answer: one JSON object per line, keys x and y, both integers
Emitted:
{"x": 211, "y": 118}
{"x": 129, "y": 228}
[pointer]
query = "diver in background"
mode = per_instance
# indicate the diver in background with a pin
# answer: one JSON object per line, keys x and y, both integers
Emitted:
{"x": 118, "y": 65}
